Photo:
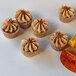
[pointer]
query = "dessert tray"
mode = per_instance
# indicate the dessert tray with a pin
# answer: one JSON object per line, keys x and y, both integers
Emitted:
{"x": 38, "y": 39}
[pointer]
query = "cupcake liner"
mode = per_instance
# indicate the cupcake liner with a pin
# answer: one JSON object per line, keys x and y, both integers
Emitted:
{"x": 40, "y": 35}
{"x": 58, "y": 48}
{"x": 66, "y": 20}
{"x": 30, "y": 54}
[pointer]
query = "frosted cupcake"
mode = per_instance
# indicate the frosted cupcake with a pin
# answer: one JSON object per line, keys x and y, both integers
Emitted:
{"x": 10, "y": 28}
{"x": 40, "y": 27}
{"x": 30, "y": 47}
{"x": 59, "y": 41}
{"x": 24, "y": 18}
{"x": 66, "y": 14}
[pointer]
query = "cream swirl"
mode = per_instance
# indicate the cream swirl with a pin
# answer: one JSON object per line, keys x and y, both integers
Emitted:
{"x": 30, "y": 45}
{"x": 66, "y": 11}
{"x": 9, "y": 25}
{"x": 23, "y": 16}
{"x": 59, "y": 39}
{"x": 40, "y": 25}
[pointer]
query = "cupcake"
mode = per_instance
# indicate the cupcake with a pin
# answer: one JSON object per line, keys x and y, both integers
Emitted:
{"x": 59, "y": 41}
{"x": 66, "y": 14}
{"x": 30, "y": 47}
{"x": 24, "y": 18}
{"x": 10, "y": 28}
{"x": 40, "y": 27}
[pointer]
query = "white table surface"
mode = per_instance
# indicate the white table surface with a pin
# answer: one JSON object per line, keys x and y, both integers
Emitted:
{"x": 47, "y": 63}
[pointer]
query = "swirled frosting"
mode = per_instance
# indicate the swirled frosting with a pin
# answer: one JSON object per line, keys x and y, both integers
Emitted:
{"x": 10, "y": 25}
{"x": 30, "y": 45}
{"x": 59, "y": 39}
{"x": 40, "y": 25}
{"x": 23, "y": 16}
{"x": 66, "y": 11}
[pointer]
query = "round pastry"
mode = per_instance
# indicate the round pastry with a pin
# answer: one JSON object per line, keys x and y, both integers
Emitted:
{"x": 66, "y": 14}
{"x": 59, "y": 41}
{"x": 40, "y": 27}
{"x": 30, "y": 47}
{"x": 24, "y": 18}
{"x": 10, "y": 28}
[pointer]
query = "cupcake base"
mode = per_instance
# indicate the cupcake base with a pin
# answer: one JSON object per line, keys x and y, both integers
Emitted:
{"x": 11, "y": 35}
{"x": 30, "y": 54}
{"x": 58, "y": 48}
{"x": 40, "y": 35}
{"x": 65, "y": 20}
{"x": 24, "y": 25}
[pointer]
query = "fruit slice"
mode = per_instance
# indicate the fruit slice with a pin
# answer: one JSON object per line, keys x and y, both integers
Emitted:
{"x": 68, "y": 58}
{"x": 72, "y": 42}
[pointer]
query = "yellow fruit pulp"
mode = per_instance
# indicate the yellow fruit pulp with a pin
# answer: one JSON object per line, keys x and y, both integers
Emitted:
{"x": 72, "y": 42}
